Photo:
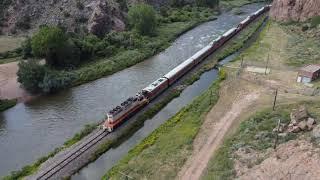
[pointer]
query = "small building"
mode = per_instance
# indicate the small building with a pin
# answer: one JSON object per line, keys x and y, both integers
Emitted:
{"x": 309, "y": 73}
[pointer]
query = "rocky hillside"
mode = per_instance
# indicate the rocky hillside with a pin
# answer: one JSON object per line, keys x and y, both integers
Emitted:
{"x": 295, "y": 10}
{"x": 95, "y": 16}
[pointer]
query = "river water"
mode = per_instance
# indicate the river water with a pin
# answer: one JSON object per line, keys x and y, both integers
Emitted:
{"x": 31, "y": 130}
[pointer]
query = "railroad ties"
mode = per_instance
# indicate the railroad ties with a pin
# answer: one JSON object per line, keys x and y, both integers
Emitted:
{"x": 49, "y": 172}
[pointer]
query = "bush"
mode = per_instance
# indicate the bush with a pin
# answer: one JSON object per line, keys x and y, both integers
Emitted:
{"x": 54, "y": 81}
{"x": 47, "y": 38}
{"x": 37, "y": 78}
{"x": 30, "y": 74}
{"x": 207, "y": 3}
{"x": 315, "y": 21}
{"x": 143, "y": 18}
{"x": 53, "y": 44}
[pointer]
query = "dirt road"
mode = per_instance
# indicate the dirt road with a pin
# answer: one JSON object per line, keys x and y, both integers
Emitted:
{"x": 223, "y": 121}
{"x": 9, "y": 86}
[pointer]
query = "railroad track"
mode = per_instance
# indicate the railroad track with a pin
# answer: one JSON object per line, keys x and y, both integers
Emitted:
{"x": 69, "y": 157}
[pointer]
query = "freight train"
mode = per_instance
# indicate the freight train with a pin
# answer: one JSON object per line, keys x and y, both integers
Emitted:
{"x": 122, "y": 112}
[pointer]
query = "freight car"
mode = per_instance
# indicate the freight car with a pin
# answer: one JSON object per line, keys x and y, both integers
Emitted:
{"x": 133, "y": 104}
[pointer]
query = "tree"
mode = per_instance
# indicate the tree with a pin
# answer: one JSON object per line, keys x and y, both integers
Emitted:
{"x": 53, "y": 44}
{"x": 143, "y": 18}
{"x": 47, "y": 38}
{"x": 30, "y": 73}
{"x": 37, "y": 78}
{"x": 208, "y": 3}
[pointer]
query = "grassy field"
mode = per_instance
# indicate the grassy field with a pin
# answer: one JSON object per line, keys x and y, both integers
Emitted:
{"x": 221, "y": 166}
{"x": 8, "y": 43}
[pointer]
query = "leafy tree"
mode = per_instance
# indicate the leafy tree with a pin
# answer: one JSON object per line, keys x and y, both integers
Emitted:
{"x": 53, "y": 44}
{"x": 143, "y": 18}
{"x": 208, "y": 3}
{"x": 46, "y": 39}
{"x": 30, "y": 73}
{"x": 56, "y": 80}
{"x": 37, "y": 78}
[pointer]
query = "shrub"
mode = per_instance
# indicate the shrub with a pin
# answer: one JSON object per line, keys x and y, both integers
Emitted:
{"x": 315, "y": 21}
{"x": 207, "y": 3}
{"x": 143, "y": 18}
{"x": 30, "y": 73}
{"x": 54, "y": 81}
{"x": 53, "y": 44}
{"x": 47, "y": 38}
{"x": 37, "y": 78}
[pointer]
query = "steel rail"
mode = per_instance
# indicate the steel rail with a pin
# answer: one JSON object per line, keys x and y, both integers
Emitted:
{"x": 72, "y": 156}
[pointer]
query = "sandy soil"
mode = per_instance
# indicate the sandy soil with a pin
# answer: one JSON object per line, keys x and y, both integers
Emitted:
{"x": 297, "y": 159}
{"x": 9, "y": 86}
{"x": 217, "y": 123}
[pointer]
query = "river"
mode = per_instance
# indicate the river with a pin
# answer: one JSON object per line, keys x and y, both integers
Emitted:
{"x": 31, "y": 130}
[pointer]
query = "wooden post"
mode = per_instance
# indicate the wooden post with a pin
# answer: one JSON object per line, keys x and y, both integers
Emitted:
{"x": 275, "y": 100}
{"x": 241, "y": 65}
{"x": 265, "y": 72}
{"x": 277, "y": 136}
{"x": 210, "y": 97}
{"x": 125, "y": 175}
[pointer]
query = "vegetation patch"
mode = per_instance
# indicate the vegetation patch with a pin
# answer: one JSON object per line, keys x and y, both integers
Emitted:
{"x": 255, "y": 133}
{"x": 6, "y": 104}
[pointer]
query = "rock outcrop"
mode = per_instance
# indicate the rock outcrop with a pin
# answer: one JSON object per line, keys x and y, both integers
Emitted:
{"x": 294, "y": 10}
{"x": 300, "y": 120}
{"x": 95, "y": 16}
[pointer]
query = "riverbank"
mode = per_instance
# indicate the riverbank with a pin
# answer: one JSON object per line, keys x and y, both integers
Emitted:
{"x": 6, "y": 104}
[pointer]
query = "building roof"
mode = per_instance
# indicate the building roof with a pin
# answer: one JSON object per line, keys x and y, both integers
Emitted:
{"x": 312, "y": 68}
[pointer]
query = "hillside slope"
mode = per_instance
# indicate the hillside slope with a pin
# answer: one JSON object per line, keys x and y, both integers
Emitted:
{"x": 95, "y": 16}
{"x": 294, "y": 10}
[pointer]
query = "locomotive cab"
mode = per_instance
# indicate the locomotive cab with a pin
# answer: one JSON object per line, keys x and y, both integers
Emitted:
{"x": 109, "y": 118}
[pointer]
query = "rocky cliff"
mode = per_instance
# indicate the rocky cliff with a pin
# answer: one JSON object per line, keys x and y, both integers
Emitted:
{"x": 95, "y": 16}
{"x": 294, "y": 10}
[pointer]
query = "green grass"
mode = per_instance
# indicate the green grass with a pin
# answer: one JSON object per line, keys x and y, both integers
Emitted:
{"x": 6, "y": 104}
{"x": 302, "y": 49}
{"x": 256, "y": 133}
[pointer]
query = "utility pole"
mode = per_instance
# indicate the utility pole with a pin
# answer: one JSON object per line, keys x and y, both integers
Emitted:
{"x": 275, "y": 100}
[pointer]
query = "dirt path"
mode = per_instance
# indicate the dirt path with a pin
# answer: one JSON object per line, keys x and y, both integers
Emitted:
{"x": 222, "y": 123}
{"x": 9, "y": 86}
